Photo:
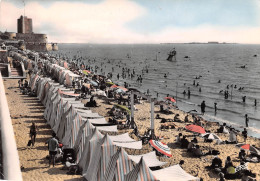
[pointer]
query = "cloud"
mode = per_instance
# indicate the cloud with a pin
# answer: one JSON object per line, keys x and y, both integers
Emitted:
{"x": 108, "y": 22}
{"x": 77, "y": 22}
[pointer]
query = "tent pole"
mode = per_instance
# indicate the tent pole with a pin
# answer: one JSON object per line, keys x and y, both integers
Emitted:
{"x": 152, "y": 119}
{"x": 132, "y": 108}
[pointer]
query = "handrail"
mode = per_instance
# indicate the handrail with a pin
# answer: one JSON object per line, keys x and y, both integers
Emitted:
{"x": 11, "y": 164}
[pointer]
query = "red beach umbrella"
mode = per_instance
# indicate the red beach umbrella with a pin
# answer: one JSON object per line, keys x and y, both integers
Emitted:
{"x": 248, "y": 147}
{"x": 170, "y": 99}
{"x": 122, "y": 88}
{"x": 195, "y": 128}
{"x": 161, "y": 147}
{"x": 114, "y": 86}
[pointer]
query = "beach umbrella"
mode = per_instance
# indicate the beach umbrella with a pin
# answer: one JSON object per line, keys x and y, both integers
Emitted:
{"x": 161, "y": 147}
{"x": 248, "y": 147}
{"x": 86, "y": 72}
{"x": 110, "y": 83}
{"x": 114, "y": 86}
{"x": 122, "y": 88}
{"x": 211, "y": 136}
{"x": 93, "y": 83}
{"x": 170, "y": 99}
{"x": 195, "y": 128}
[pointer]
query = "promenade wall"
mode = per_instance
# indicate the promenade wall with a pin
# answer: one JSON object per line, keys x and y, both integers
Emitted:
{"x": 11, "y": 164}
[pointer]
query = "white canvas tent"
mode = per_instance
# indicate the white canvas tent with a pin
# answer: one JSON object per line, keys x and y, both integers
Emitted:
{"x": 173, "y": 173}
{"x": 149, "y": 158}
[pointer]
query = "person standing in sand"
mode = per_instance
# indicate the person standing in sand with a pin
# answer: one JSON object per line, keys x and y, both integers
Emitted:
{"x": 203, "y": 106}
{"x": 53, "y": 148}
{"x": 33, "y": 131}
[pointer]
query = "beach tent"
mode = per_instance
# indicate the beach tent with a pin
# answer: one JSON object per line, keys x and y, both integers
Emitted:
{"x": 89, "y": 150}
{"x": 62, "y": 107}
{"x": 65, "y": 122}
{"x": 54, "y": 108}
{"x": 54, "y": 97}
{"x": 45, "y": 92}
{"x": 122, "y": 138}
{"x": 108, "y": 128}
{"x": 98, "y": 121}
{"x": 72, "y": 131}
{"x": 140, "y": 172}
{"x": 90, "y": 115}
{"x": 33, "y": 81}
{"x": 66, "y": 126}
{"x": 108, "y": 149}
{"x": 149, "y": 158}
{"x": 131, "y": 145}
{"x": 119, "y": 165}
{"x": 173, "y": 173}
{"x": 94, "y": 168}
{"x": 85, "y": 130}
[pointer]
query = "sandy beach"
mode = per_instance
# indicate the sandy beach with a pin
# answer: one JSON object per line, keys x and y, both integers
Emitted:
{"x": 24, "y": 110}
{"x": 194, "y": 166}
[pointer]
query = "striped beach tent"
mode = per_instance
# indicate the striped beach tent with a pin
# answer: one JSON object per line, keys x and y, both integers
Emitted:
{"x": 54, "y": 97}
{"x": 53, "y": 117}
{"x": 53, "y": 109}
{"x": 62, "y": 107}
{"x": 45, "y": 93}
{"x": 108, "y": 149}
{"x": 81, "y": 140}
{"x": 73, "y": 131}
{"x": 33, "y": 81}
{"x": 41, "y": 83}
{"x": 90, "y": 144}
{"x": 140, "y": 172}
{"x": 103, "y": 151}
{"x": 64, "y": 122}
{"x": 67, "y": 126}
{"x": 95, "y": 155}
{"x": 47, "y": 101}
{"x": 119, "y": 165}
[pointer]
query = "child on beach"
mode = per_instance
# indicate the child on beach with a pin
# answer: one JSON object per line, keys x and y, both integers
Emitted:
{"x": 33, "y": 131}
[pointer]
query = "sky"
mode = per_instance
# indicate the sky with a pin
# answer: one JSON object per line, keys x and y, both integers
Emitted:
{"x": 137, "y": 21}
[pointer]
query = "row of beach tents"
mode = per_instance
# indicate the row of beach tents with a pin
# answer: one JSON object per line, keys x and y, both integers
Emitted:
{"x": 99, "y": 156}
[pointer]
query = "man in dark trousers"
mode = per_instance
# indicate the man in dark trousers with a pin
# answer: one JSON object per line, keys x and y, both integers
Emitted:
{"x": 53, "y": 148}
{"x": 203, "y": 106}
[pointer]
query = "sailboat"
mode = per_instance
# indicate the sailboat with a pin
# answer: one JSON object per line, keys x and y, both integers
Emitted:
{"x": 171, "y": 55}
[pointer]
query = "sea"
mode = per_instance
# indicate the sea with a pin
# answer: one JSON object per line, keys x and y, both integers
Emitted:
{"x": 214, "y": 68}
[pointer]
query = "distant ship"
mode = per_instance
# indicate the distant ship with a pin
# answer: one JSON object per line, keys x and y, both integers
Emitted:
{"x": 171, "y": 55}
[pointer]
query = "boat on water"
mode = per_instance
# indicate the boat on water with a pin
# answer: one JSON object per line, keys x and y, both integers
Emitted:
{"x": 171, "y": 55}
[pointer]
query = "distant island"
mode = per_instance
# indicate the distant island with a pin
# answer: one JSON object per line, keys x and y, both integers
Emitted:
{"x": 210, "y": 42}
